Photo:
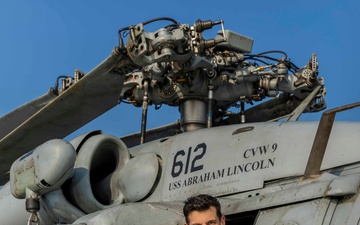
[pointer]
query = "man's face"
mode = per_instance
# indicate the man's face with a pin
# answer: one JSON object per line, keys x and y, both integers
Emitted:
{"x": 207, "y": 217}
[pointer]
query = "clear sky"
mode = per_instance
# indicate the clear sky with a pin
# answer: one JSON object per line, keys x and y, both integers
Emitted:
{"x": 41, "y": 40}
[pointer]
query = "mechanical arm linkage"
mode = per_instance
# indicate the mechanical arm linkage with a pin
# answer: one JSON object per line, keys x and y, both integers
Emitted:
{"x": 176, "y": 66}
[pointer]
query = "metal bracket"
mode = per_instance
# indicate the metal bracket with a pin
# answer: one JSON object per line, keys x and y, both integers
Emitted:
{"x": 321, "y": 140}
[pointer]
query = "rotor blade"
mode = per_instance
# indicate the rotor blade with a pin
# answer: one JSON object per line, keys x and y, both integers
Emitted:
{"x": 91, "y": 96}
{"x": 171, "y": 129}
{"x": 301, "y": 108}
{"x": 269, "y": 110}
{"x": 13, "y": 119}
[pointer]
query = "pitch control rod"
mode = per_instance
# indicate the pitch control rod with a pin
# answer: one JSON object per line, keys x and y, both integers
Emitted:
{"x": 144, "y": 111}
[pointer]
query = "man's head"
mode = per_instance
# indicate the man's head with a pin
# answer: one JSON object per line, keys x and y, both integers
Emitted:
{"x": 203, "y": 209}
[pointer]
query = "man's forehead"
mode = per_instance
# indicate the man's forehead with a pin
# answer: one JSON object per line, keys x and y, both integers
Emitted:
{"x": 201, "y": 217}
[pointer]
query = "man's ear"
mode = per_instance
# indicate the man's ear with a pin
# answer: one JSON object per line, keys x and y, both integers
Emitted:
{"x": 223, "y": 219}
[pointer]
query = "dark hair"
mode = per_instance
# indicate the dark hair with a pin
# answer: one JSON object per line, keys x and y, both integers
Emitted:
{"x": 200, "y": 203}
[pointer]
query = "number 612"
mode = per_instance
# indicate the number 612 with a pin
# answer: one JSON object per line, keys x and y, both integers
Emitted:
{"x": 181, "y": 156}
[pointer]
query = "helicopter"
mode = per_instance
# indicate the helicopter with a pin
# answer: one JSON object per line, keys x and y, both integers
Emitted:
{"x": 264, "y": 165}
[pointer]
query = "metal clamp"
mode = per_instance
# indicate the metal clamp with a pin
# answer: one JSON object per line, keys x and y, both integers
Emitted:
{"x": 33, "y": 219}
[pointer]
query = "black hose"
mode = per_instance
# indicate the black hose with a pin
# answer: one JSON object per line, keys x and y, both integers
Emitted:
{"x": 274, "y": 51}
{"x": 161, "y": 18}
{"x": 56, "y": 86}
{"x": 291, "y": 66}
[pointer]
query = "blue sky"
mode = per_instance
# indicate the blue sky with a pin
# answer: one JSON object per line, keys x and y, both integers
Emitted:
{"x": 41, "y": 40}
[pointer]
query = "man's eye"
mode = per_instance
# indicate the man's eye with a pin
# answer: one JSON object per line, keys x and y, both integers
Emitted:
{"x": 211, "y": 222}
